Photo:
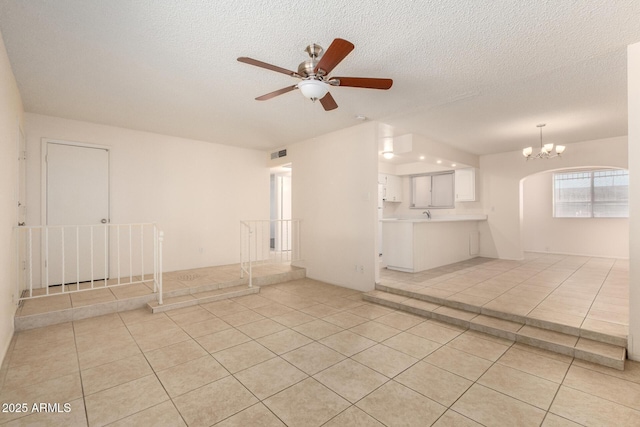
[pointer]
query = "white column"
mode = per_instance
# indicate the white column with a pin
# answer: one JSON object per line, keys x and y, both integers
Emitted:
{"x": 633, "y": 64}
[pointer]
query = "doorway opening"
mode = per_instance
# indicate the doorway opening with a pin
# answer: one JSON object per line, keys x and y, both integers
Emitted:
{"x": 280, "y": 208}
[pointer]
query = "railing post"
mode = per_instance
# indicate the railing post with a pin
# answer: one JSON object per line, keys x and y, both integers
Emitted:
{"x": 92, "y": 273}
{"x": 63, "y": 260}
{"x": 46, "y": 259}
{"x": 18, "y": 293}
{"x": 31, "y": 262}
{"x": 77, "y": 258}
{"x": 130, "y": 255}
{"x": 241, "y": 252}
{"x": 249, "y": 250}
{"x": 155, "y": 258}
{"x": 106, "y": 253}
{"x": 142, "y": 252}
{"x": 118, "y": 250}
{"x": 160, "y": 239}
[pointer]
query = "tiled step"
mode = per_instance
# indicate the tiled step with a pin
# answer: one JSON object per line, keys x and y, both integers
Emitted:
{"x": 583, "y": 348}
{"x": 173, "y": 303}
{"x": 611, "y": 338}
{"x": 205, "y": 293}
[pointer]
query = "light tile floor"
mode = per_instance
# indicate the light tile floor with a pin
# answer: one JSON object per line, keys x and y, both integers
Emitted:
{"x": 301, "y": 353}
{"x": 581, "y": 292}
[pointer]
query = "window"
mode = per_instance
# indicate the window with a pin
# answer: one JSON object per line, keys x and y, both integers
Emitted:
{"x": 434, "y": 190}
{"x": 600, "y": 193}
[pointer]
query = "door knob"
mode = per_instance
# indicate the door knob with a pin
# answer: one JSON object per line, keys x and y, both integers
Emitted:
{"x": 103, "y": 220}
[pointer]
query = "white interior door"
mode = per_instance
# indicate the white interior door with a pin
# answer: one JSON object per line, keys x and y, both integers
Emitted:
{"x": 78, "y": 196}
{"x": 22, "y": 178}
{"x": 22, "y": 209}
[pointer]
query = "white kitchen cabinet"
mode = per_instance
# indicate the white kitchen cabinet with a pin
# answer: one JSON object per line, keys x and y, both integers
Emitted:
{"x": 414, "y": 245}
{"x": 466, "y": 185}
{"x": 391, "y": 187}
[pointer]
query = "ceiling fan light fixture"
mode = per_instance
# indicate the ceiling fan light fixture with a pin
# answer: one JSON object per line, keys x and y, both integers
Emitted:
{"x": 387, "y": 148}
{"x": 314, "y": 73}
{"x": 313, "y": 89}
{"x": 560, "y": 149}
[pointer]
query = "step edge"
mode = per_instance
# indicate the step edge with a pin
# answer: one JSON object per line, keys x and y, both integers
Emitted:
{"x": 590, "y": 356}
{"x": 539, "y": 323}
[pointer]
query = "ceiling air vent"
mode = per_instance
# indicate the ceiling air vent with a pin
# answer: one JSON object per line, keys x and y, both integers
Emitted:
{"x": 278, "y": 154}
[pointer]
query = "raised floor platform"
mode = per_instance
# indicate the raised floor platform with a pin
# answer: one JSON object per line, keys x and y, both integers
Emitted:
{"x": 181, "y": 289}
{"x": 576, "y": 306}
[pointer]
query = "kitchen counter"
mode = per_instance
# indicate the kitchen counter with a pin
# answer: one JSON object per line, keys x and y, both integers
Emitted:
{"x": 439, "y": 218}
{"x": 418, "y": 244}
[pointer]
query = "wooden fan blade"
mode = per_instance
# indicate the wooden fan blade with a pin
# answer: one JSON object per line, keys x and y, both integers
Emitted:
{"x": 276, "y": 93}
{"x": 364, "y": 82}
{"x": 261, "y": 64}
{"x": 328, "y": 103}
{"x": 338, "y": 50}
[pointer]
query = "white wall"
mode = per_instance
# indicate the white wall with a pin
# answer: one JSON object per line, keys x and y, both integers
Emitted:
{"x": 501, "y": 175}
{"x": 11, "y": 117}
{"x": 633, "y": 75}
{"x": 196, "y": 191}
{"x": 334, "y": 188}
{"x": 541, "y": 232}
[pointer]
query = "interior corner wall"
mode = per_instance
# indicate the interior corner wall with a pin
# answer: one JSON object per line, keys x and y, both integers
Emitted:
{"x": 197, "y": 191}
{"x": 11, "y": 118}
{"x": 541, "y": 232}
{"x": 334, "y": 194}
{"x": 633, "y": 76}
{"x": 501, "y": 175}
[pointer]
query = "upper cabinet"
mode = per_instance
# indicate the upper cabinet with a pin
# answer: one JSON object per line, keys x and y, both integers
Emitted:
{"x": 392, "y": 187}
{"x": 466, "y": 185}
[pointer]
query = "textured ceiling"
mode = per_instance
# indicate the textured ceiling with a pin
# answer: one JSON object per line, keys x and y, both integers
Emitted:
{"x": 475, "y": 74}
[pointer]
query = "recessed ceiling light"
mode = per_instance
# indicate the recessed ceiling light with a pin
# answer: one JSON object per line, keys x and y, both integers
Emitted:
{"x": 453, "y": 165}
{"x": 361, "y": 117}
{"x": 439, "y": 161}
{"x": 421, "y": 157}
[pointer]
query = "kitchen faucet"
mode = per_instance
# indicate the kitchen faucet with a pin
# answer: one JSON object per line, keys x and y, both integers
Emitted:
{"x": 428, "y": 214}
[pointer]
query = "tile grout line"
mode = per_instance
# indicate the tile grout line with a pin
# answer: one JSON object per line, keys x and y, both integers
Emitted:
{"x": 596, "y": 296}
{"x": 84, "y": 400}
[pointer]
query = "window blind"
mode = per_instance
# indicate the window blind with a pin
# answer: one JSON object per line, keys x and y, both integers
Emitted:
{"x": 600, "y": 193}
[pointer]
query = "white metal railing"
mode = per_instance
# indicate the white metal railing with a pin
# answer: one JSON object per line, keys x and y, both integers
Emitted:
{"x": 268, "y": 242}
{"x": 53, "y": 260}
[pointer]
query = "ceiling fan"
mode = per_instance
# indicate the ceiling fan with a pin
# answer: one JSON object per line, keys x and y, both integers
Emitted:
{"x": 314, "y": 74}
